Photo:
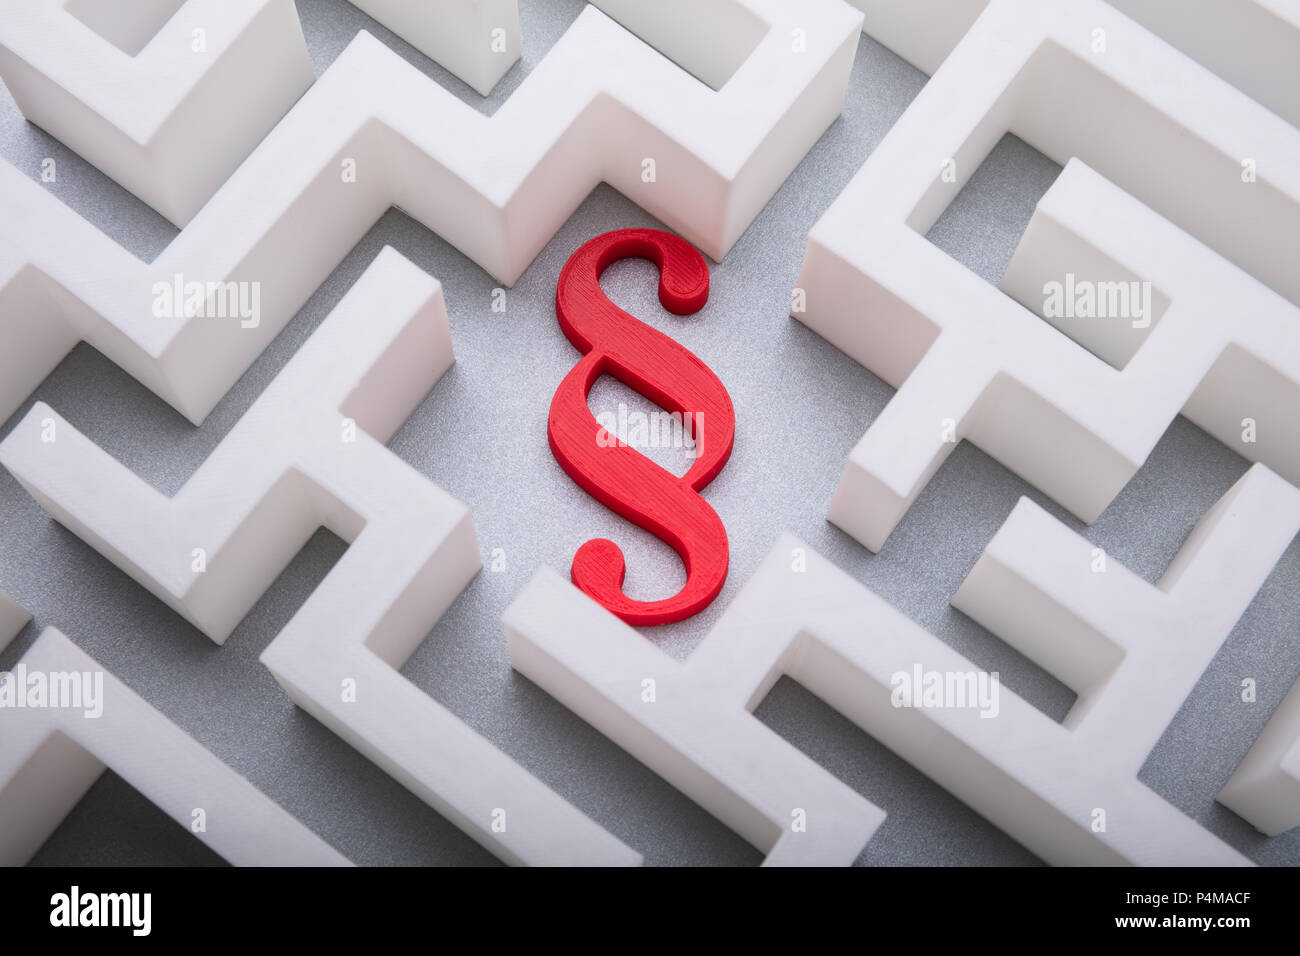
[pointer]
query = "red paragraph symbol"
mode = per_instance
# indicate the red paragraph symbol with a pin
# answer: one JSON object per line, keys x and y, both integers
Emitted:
{"x": 615, "y": 474}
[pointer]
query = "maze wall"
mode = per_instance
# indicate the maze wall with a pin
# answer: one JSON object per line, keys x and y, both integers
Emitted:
{"x": 924, "y": 471}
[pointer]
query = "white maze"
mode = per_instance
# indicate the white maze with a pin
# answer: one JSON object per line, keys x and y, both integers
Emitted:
{"x": 697, "y": 110}
{"x": 309, "y": 454}
{"x": 970, "y": 362}
{"x": 1069, "y": 792}
{"x": 373, "y": 132}
{"x": 690, "y": 723}
{"x": 165, "y": 97}
{"x": 51, "y": 755}
{"x": 1260, "y": 59}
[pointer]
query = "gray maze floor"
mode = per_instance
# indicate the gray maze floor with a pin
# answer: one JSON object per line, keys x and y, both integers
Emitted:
{"x": 481, "y": 434}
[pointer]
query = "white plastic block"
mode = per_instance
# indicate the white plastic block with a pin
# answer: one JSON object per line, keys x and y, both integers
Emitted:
{"x": 374, "y": 132}
{"x": 51, "y": 755}
{"x": 1253, "y": 44}
{"x": 691, "y": 723}
{"x": 166, "y": 98}
{"x": 922, "y": 32}
{"x": 1260, "y": 59}
{"x": 310, "y": 453}
{"x": 1265, "y": 787}
{"x": 1132, "y": 651}
{"x": 1168, "y": 203}
{"x": 13, "y": 619}
{"x": 478, "y": 40}
{"x": 1239, "y": 380}
{"x": 708, "y": 38}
